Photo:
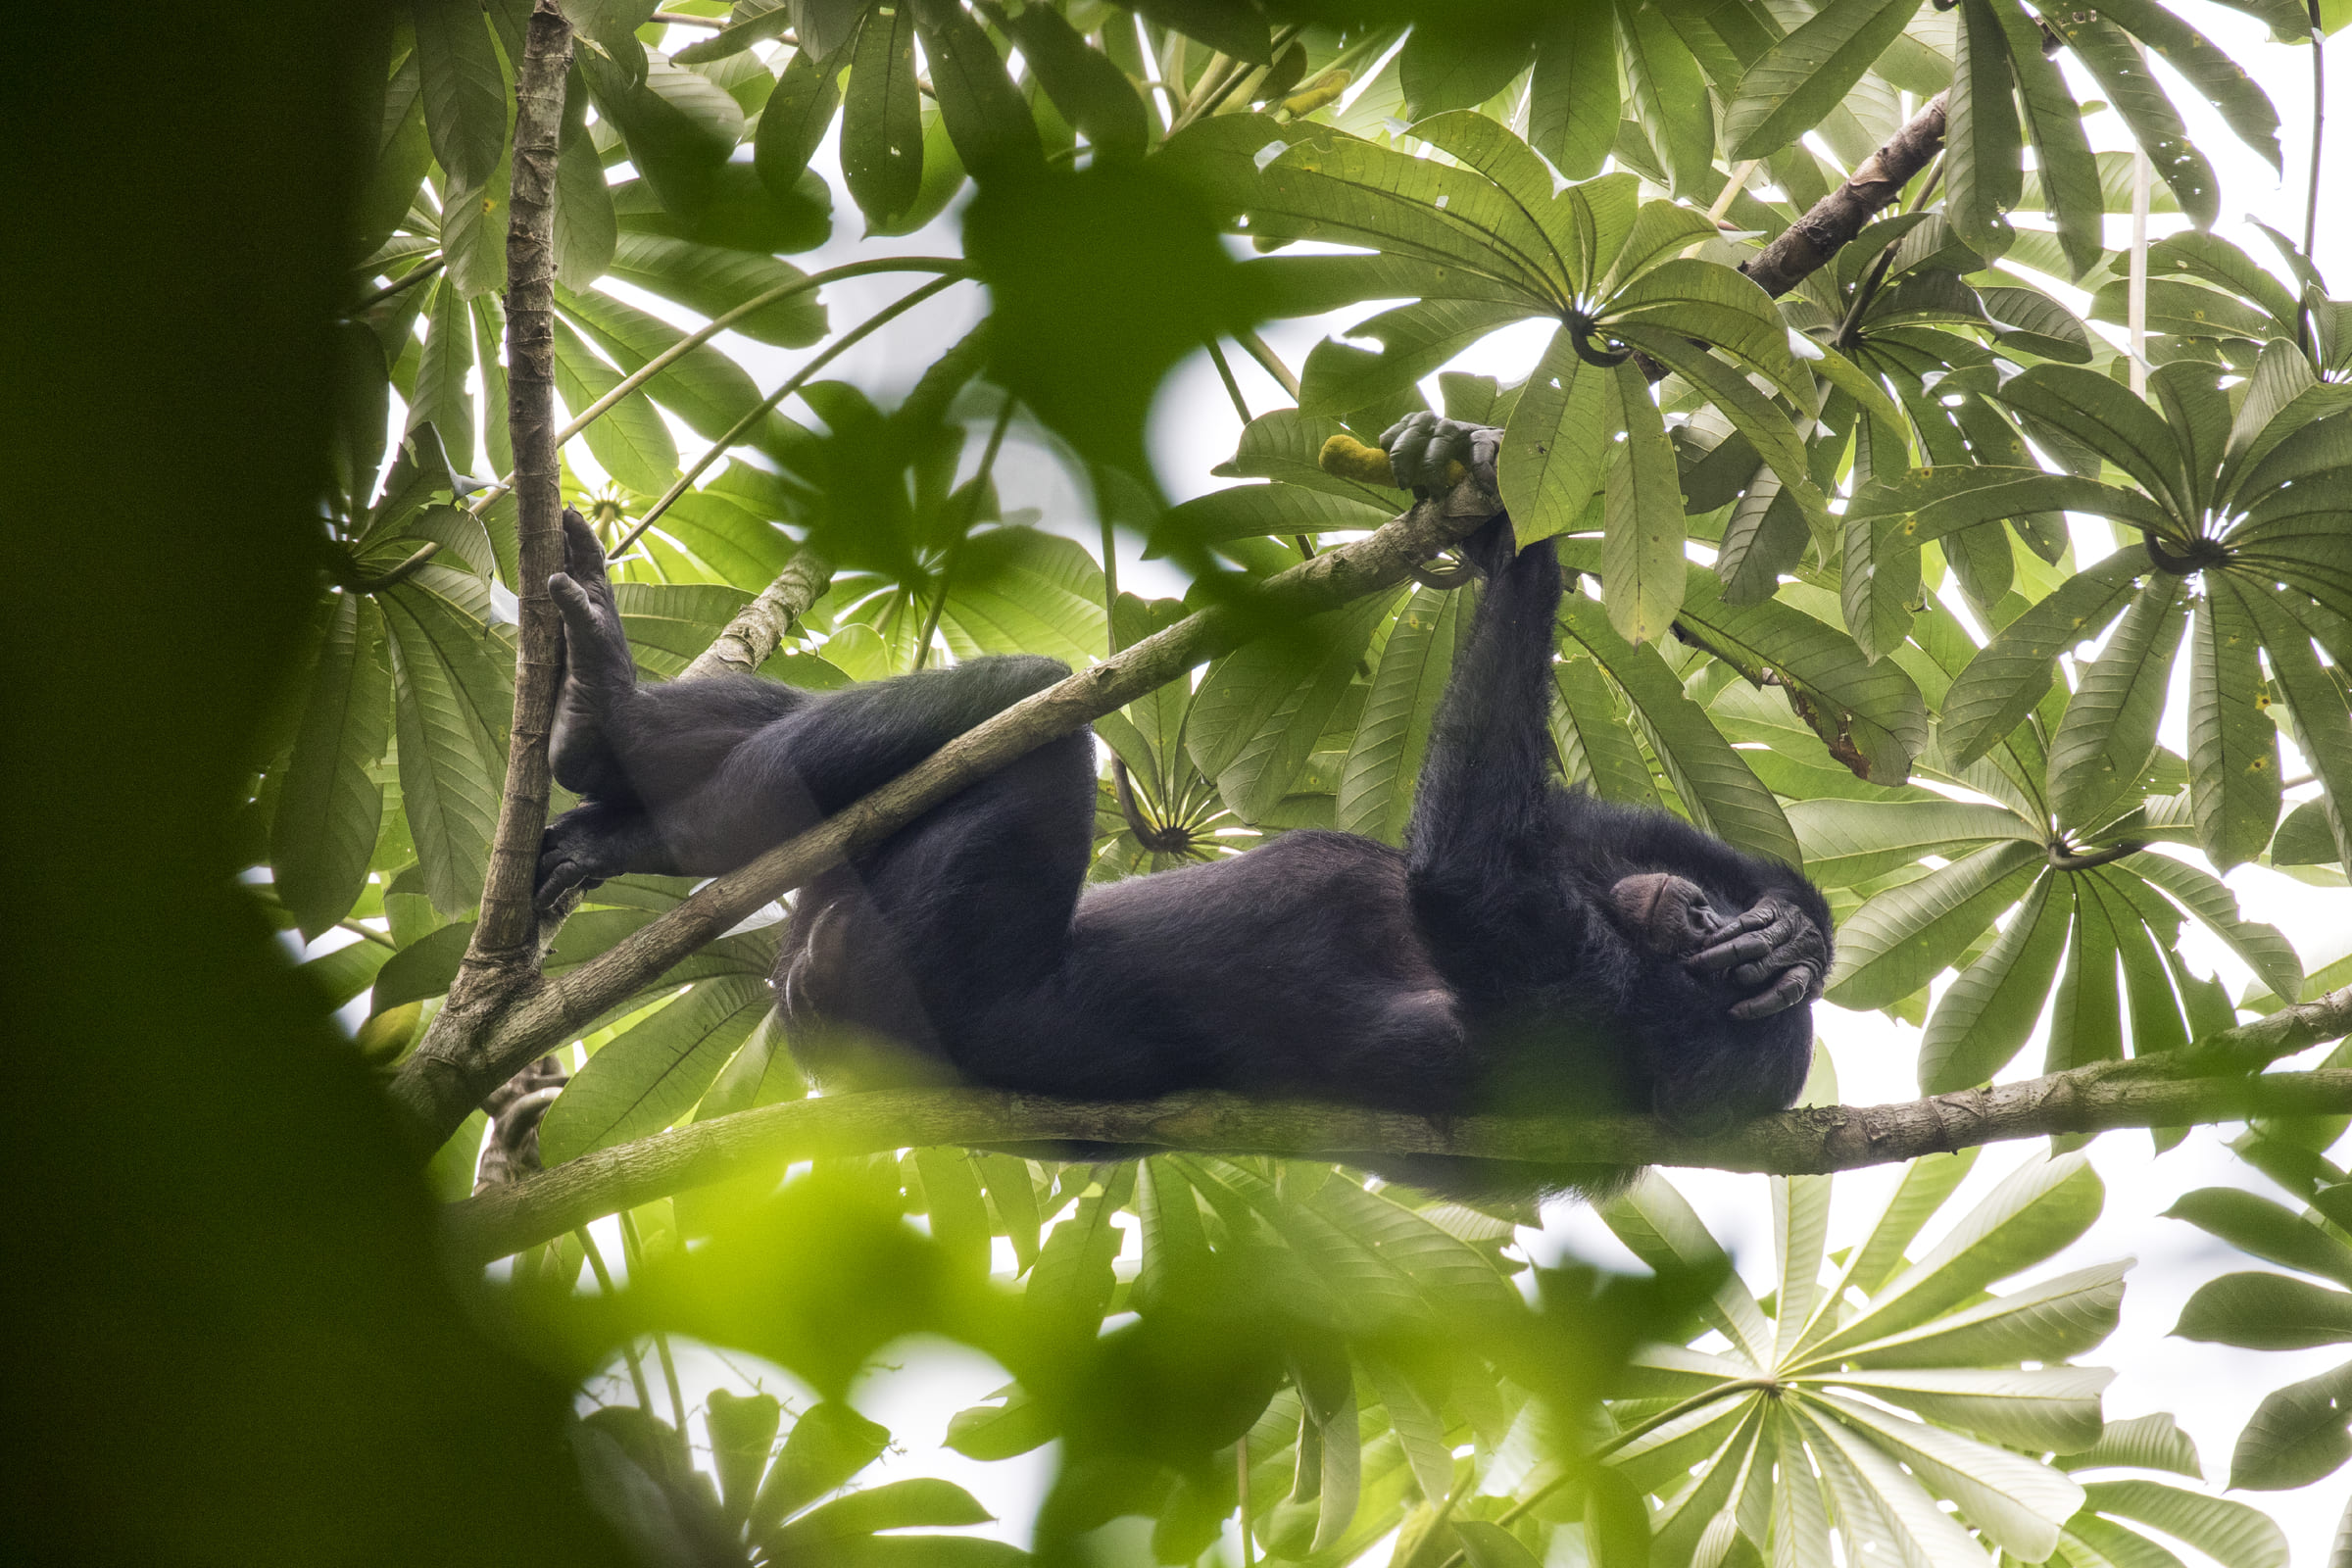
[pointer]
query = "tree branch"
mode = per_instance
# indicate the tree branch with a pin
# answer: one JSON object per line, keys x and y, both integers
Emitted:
{"x": 1830, "y": 223}
{"x": 1807, "y": 1142}
{"x": 760, "y": 626}
{"x": 508, "y": 926}
{"x": 440, "y": 1082}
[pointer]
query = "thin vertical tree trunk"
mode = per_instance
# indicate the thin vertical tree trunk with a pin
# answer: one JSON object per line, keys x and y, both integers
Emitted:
{"x": 502, "y": 960}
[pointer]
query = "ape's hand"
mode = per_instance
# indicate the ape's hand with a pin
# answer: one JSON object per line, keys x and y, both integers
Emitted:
{"x": 596, "y": 666}
{"x": 1774, "y": 949}
{"x": 580, "y": 850}
{"x": 1423, "y": 450}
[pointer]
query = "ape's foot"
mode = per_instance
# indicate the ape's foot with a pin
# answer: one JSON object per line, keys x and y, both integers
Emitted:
{"x": 597, "y": 671}
{"x": 1773, "y": 950}
{"x": 1431, "y": 453}
{"x": 584, "y": 847}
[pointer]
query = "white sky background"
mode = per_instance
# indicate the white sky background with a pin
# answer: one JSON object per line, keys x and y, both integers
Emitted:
{"x": 2211, "y": 1388}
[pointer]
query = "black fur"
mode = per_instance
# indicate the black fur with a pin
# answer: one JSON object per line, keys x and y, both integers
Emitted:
{"x": 1492, "y": 965}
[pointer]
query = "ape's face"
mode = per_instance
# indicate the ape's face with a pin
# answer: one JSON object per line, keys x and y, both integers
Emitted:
{"x": 1668, "y": 914}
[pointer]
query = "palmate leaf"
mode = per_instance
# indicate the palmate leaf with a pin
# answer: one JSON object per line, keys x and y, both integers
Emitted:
{"x": 1718, "y": 789}
{"x": 1902, "y": 938}
{"x": 1982, "y": 137}
{"x": 1642, "y": 567}
{"x": 451, "y": 707}
{"x": 650, "y": 1075}
{"x": 1556, "y": 447}
{"x": 329, "y": 808}
{"x": 1573, "y": 97}
{"x": 1804, "y": 76}
{"x": 714, "y": 279}
{"x": 629, "y": 439}
{"x": 2108, "y": 733}
{"x": 1260, "y": 713}
{"x": 2068, "y": 174}
{"x": 1597, "y": 748}
{"x": 1851, "y": 842}
{"x": 1340, "y": 378}
{"x": 2233, "y": 740}
{"x": 2232, "y": 1533}
{"x": 1022, "y": 590}
{"x": 2009, "y": 678}
{"x": 2322, "y": 728}
{"x": 1983, "y": 1021}
{"x": 2117, "y": 66}
{"x": 1376, "y": 788}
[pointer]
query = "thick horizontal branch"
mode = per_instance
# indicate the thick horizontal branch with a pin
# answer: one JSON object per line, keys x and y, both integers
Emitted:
{"x": 1808, "y": 1142}
{"x": 444, "y": 1078}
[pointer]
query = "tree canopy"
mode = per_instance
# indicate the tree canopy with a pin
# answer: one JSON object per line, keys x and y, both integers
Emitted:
{"x": 1915, "y": 504}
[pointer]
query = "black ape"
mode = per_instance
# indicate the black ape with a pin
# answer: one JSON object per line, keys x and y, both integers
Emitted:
{"x": 1531, "y": 947}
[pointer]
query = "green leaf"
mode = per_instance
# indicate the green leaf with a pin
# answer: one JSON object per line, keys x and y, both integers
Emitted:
{"x": 829, "y": 1443}
{"x": 1864, "y": 1477}
{"x": 1001, "y": 1431}
{"x": 1643, "y": 569}
{"x": 1246, "y": 512}
{"x": 743, "y": 1428}
{"x": 1848, "y": 843}
{"x": 2269, "y": 1231}
{"x": 1983, "y": 1021}
{"x": 2041, "y": 1409}
{"x": 1982, "y": 159}
{"x": 451, "y": 708}
{"x": 2066, "y": 170}
{"x": 1709, "y": 302}
{"x": 2233, "y": 740}
{"x": 1716, "y": 786}
{"x": 586, "y": 227}
{"x": 2104, "y": 416}
{"x": 987, "y": 115}
{"x": 1596, "y": 745}
{"x": 1872, "y": 717}
{"x": 1014, "y": 1197}
{"x": 2297, "y": 1434}
{"x": 2015, "y": 1502}
{"x": 2322, "y": 728}
{"x": 679, "y": 125}
{"x": 2116, "y": 63}
{"x": 1490, "y": 1545}
{"x": 1556, "y": 447}
{"x": 423, "y": 968}
{"x": 793, "y": 125}
{"x": 1457, "y": 67}
{"x": 1072, "y": 1282}
{"x": 2037, "y": 1209}
{"x": 1415, "y": 339}
{"x": 329, "y": 807}
{"x": 652, "y": 1074}
{"x": 2008, "y": 679}
{"x": 1376, "y": 788}
{"x": 891, "y": 1506}
{"x": 713, "y": 280}
{"x": 1573, "y": 99}
{"x": 2221, "y": 80}
{"x": 882, "y": 125}
{"x": 1670, "y": 96}
{"x": 628, "y": 439}
{"x": 1800, "y": 79}
{"x": 1023, "y": 590}
{"x": 463, "y": 90}
{"x": 2108, "y": 732}
{"x": 1751, "y": 412}
{"x": 2231, "y": 1534}
{"x": 440, "y": 396}
{"x": 1085, "y": 86}
{"x": 1905, "y": 937}
{"x": 2264, "y": 951}
{"x": 2267, "y": 1312}
{"x": 1260, "y": 712}
{"x": 2044, "y": 1322}
{"x": 2143, "y": 1443}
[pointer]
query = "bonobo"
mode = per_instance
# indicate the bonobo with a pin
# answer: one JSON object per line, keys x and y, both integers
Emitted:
{"x": 1531, "y": 947}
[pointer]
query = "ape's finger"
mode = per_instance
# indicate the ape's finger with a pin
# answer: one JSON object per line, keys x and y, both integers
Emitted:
{"x": 558, "y": 874}
{"x": 1786, "y": 992}
{"x": 581, "y": 632}
{"x": 583, "y": 555}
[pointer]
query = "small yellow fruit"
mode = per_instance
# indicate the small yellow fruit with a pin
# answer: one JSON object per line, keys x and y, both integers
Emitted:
{"x": 1349, "y": 459}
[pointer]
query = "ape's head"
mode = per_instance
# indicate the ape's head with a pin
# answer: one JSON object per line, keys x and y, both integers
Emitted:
{"x": 1668, "y": 914}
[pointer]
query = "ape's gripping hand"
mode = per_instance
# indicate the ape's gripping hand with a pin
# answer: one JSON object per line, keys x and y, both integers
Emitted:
{"x": 1776, "y": 949}
{"x": 1430, "y": 453}
{"x": 596, "y": 666}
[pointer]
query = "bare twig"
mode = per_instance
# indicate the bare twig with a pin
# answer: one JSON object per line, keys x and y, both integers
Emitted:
{"x": 758, "y": 627}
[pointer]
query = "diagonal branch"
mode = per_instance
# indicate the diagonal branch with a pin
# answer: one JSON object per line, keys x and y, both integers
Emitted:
{"x": 441, "y": 1081}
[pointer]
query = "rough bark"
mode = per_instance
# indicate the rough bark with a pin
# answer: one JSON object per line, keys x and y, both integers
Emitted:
{"x": 1808, "y": 1142}
{"x": 760, "y": 626}
{"x": 447, "y": 1074}
{"x": 1832, "y": 221}
{"x": 506, "y": 928}
{"x": 504, "y": 951}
